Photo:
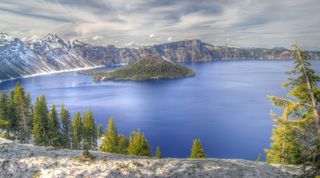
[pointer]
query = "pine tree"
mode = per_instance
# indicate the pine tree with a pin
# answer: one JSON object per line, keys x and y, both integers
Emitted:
{"x": 66, "y": 127}
{"x": 4, "y": 118}
{"x": 40, "y": 127}
{"x": 286, "y": 149}
{"x": 77, "y": 132}
{"x": 296, "y": 134}
{"x": 30, "y": 108}
{"x": 110, "y": 141}
{"x": 12, "y": 114}
{"x": 54, "y": 128}
{"x": 197, "y": 150}
{"x": 89, "y": 132}
{"x": 158, "y": 153}
{"x": 100, "y": 131}
{"x": 138, "y": 145}
{"x": 23, "y": 107}
{"x": 123, "y": 144}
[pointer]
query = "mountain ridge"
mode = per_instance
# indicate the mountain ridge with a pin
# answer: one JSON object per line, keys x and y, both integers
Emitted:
{"x": 51, "y": 53}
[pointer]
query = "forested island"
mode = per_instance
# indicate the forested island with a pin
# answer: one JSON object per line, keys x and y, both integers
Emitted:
{"x": 147, "y": 68}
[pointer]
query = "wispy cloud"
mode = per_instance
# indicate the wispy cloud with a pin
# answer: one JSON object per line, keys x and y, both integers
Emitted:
{"x": 248, "y": 23}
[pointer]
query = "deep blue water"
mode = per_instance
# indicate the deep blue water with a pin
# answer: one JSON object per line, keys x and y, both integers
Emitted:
{"x": 225, "y": 105}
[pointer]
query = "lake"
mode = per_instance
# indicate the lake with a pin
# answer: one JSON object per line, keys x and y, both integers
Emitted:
{"x": 225, "y": 105}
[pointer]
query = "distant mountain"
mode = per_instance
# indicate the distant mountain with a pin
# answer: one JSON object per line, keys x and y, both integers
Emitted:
{"x": 16, "y": 59}
{"x": 57, "y": 53}
{"x": 147, "y": 68}
{"x": 54, "y": 54}
{"x": 39, "y": 56}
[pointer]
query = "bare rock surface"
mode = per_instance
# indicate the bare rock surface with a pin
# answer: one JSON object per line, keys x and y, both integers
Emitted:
{"x": 21, "y": 160}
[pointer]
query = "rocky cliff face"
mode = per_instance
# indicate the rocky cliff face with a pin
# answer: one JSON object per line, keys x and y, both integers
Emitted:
{"x": 17, "y": 161}
{"x": 227, "y": 53}
{"x": 39, "y": 56}
{"x": 16, "y": 59}
{"x": 52, "y": 53}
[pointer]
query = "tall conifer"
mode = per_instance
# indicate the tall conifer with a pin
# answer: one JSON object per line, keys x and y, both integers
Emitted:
{"x": 296, "y": 135}
{"x": 24, "y": 112}
{"x": 54, "y": 128}
{"x": 4, "y": 118}
{"x": 12, "y": 113}
{"x": 77, "y": 131}
{"x": 138, "y": 145}
{"x": 89, "y": 132}
{"x": 123, "y": 144}
{"x": 66, "y": 127}
{"x": 110, "y": 141}
{"x": 40, "y": 127}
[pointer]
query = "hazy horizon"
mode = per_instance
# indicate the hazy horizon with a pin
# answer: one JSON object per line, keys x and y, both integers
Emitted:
{"x": 249, "y": 23}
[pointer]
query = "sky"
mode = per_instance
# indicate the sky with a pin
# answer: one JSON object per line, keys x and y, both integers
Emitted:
{"x": 244, "y": 23}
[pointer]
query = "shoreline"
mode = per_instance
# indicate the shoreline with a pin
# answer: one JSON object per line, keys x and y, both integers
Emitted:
{"x": 123, "y": 64}
{"x": 52, "y": 72}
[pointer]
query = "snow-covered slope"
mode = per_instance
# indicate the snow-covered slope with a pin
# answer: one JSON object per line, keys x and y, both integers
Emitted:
{"x": 58, "y": 53}
{"x": 17, "y": 160}
{"x": 16, "y": 59}
{"x": 38, "y": 56}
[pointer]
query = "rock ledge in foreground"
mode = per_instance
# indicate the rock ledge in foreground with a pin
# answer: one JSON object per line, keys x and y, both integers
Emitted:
{"x": 19, "y": 160}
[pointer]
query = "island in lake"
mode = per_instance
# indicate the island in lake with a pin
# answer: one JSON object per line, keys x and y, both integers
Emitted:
{"x": 147, "y": 68}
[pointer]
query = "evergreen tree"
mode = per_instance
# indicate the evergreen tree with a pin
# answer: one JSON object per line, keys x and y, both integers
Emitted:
{"x": 296, "y": 135}
{"x": 100, "y": 131}
{"x": 66, "y": 127}
{"x": 158, "y": 153}
{"x": 123, "y": 144}
{"x": 54, "y": 128}
{"x": 286, "y": 148}
{"x": 197, "y": 150}
{"x": 77, "y": 132}
{"x": 4, "y": 118}
{"x": 89, "y": 132}
{"x": 3, "y": 124}
{"x": 40, "y": 127}
{"x": 24, "y": 112}
{"x": 138, "y": 145}
{"x": 110, "y": 141}
{"x": 12, "y": 114}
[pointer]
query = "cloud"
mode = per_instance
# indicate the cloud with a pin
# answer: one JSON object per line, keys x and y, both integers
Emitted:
{"x": 169, "y": 38}
{"x": 250, "y": 23}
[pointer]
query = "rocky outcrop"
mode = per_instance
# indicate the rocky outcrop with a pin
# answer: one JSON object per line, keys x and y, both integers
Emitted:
{"x": 17, "y": 160}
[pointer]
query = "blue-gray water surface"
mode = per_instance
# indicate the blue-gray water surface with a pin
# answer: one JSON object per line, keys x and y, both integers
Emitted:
{"x": 225, "y": 105}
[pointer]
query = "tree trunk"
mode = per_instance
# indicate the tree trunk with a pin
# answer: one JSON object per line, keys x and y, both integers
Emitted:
{"x": 316, "y": 113}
